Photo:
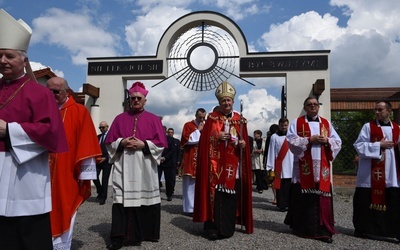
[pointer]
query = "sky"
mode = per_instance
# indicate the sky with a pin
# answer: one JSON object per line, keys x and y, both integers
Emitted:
{"x": 363, "y": 37}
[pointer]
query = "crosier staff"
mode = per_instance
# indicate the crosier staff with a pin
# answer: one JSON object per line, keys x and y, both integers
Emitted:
{"x": 241, "y": 165}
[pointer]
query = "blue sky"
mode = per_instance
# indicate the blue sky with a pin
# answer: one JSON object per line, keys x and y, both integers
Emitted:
{"x": 363, "y": 36}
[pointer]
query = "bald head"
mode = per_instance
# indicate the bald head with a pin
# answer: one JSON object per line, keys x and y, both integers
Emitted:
{"x": 59, "y": 88}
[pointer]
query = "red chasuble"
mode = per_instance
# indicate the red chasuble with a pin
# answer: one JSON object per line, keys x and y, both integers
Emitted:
{"x": 189, "y": 161}
{"x": 67, "y": 193}
{"x": 217, "y": 165}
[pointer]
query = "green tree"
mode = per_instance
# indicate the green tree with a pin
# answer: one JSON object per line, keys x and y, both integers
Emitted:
{"x": 348, "y": 125}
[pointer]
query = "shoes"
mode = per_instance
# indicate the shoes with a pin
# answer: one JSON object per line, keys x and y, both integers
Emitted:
{"x": 260, "y": 191}
{"x": 133, "y": 243}
{"x": 102, "y": 201}
{"x": 169, "y": 198}
{"x": 358, "y": 234}
{"x": 213, "y": 236}
{"x": 115, "y": 244}
{"x": 326, "y": 240}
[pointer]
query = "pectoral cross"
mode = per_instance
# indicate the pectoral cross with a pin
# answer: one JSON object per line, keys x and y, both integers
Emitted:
{"x": 324, "y": 131}
{"x": 226, "y": 129}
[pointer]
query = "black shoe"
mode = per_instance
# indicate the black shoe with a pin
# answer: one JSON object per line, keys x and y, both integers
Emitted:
{"x": 358, "y": 234}
{"x": 115, "y": 244}
{"x": 169, "y": 198}
{"x": 133, "y": 243}
{"x": 326, "y": 240}
{"x": 213, "y": 236}
{"x": 102, "y": 201}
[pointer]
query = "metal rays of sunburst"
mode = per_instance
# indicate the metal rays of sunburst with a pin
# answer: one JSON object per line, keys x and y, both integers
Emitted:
{"x": 222, "y": 59}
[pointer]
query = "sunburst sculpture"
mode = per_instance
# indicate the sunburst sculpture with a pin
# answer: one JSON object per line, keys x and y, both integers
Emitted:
{"x": 203, "y": 57}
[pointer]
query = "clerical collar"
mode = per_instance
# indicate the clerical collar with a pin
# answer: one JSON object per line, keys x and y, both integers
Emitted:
{"x": 313, "y": 119}
{"x": 137, "y": 112}
{"x": 281, "y": 133}
{"x": 7, "y": 81}
{"x": 382, "y": 123}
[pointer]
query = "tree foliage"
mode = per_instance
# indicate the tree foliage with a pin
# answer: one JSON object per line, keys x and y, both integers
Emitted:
{"x": 348, "y": 125}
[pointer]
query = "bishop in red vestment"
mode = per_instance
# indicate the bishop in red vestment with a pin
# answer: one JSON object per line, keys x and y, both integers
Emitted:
{"x": 223, "y": 194}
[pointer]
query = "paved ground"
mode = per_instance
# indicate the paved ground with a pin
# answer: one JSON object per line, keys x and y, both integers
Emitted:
{"x": 93, "y": 224}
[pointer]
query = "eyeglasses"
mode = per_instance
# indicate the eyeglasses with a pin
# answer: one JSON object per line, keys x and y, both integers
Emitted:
{"x": 55, "y": 91}
{"x": 133, "y": 98}
{"x": 102, "y": 127}
{"x": 312, "y": 104}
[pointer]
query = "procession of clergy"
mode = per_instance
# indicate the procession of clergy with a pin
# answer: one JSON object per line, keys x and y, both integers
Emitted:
{"x": 48, "y": 157}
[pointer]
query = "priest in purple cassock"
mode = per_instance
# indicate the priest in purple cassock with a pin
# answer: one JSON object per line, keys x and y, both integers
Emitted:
{"x": 29, "y": 117}
{"x": 135, "y": 142}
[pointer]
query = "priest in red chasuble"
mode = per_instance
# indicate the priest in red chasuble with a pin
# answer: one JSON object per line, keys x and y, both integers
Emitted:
{"x": 314, "y": 144}
{"x": 223, "y": 194}
{"x": 72, "y": 171}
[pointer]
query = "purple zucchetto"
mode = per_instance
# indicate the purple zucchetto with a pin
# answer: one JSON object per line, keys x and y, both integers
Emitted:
{"x": 138, "y": 87}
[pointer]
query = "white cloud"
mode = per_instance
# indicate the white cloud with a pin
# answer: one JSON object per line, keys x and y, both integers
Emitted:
{"x": 363, "y": 54}
{"x": 76, "y": 33}
{"x": 239, "y": 9}
{"x": 37, "y": 66}
{"x": 308, "y": 31}
{"x": 381, "y": 16}
{"x": 149, "y": 5}
{"x": 145, "y": 32}
{"x": 260, "y": 109}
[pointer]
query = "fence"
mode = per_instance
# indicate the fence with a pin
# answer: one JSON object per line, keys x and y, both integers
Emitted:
{"x": 348, "y": 126}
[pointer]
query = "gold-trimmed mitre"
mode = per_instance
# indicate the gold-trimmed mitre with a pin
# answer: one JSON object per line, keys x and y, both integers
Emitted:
{"x": 225, "y": 89}
{"x": 13, "y": 34}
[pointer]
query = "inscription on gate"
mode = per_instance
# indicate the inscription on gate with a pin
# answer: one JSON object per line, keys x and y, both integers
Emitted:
{"x": 125, "y": 67}
{"x": 287, "y": 63}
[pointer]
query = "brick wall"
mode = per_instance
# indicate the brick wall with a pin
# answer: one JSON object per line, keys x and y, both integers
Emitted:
{"x": 344, "y": 181}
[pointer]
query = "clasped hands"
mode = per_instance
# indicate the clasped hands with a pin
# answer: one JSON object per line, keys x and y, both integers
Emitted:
{"x": 318, "y": 139}
{"x": 385, "y": 144}
{"x": 224, "y": 136}
{"x": 132, "y": 143}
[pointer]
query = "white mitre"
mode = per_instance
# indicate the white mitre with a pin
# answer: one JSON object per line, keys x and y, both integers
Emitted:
{"x": 13, "y": 34}
{"x": 16, "y": 35}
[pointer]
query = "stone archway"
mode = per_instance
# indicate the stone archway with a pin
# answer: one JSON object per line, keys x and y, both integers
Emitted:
{"x": 300, "y": 68}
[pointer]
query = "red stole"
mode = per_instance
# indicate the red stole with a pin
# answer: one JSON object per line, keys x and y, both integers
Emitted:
{"x": 227, "y": 162}
{"x": 378, "y": 183}
{"x": 278, "y": 164}
{"x": 306, "y": 162}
